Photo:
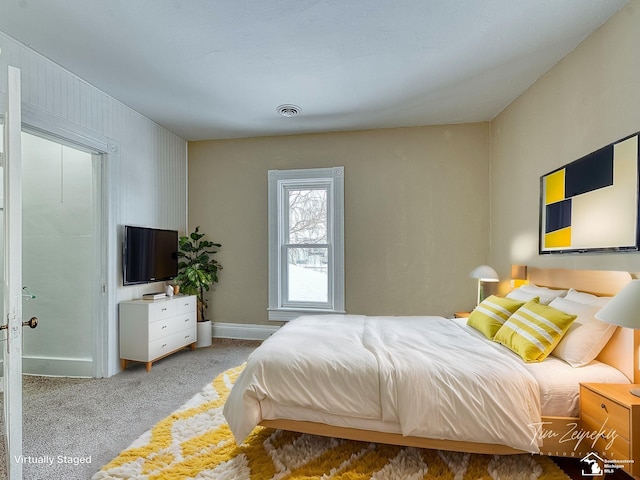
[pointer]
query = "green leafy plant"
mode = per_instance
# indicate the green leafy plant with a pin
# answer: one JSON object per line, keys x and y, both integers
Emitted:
{"x": 197, "y": 269}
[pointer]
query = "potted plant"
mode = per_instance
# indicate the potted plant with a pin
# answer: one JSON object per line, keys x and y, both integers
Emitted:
{"x": 197, "y": 271}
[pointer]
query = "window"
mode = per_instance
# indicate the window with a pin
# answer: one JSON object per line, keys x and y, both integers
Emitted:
{"x": 306, "y": 242}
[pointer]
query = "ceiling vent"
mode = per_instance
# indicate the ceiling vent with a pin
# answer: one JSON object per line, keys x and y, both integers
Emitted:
{"x": 288, "y": 110}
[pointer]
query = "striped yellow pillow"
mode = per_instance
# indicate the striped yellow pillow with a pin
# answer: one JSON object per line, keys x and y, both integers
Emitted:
{"x": 534, "y": 330}
{"x": 489, "y": 316}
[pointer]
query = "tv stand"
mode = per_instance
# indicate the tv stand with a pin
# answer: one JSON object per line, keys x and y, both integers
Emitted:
{"x": 152, "y": 329}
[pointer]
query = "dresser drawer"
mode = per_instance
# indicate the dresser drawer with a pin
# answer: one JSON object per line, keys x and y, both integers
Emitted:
{"x": 168, "y": 344}
{"x": 159, "y": 310}
{"x": 605, "y": 413}
{"x": 619, "y": 447}
{"x": 186, "y": 304}
{"x": 168, "y": 326}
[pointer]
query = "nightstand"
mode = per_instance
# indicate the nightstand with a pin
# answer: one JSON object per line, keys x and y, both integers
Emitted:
{"x": 613, "y": 413}
{"x": 461, "y": 314}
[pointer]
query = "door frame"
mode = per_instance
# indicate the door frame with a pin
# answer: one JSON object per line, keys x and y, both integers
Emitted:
{"x": 80, "y": 367}
{"x": 56, "y": 130}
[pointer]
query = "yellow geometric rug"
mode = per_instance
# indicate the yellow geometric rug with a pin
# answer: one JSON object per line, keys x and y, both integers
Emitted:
{"x": 195, "y": 443}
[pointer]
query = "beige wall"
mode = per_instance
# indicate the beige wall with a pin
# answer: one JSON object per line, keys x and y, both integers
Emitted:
{"x": 588, "y": 100}
{"x": 416, "y": 215}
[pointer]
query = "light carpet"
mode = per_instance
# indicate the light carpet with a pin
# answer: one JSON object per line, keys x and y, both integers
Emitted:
{"x": 195, "y": 442}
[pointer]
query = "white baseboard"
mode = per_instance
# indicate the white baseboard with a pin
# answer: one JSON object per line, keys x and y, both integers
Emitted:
{"x": 57, "y": 367}
{"x": 243, "y": 331}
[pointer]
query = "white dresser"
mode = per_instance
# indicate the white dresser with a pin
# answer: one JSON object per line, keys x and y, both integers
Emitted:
{"x": 153, "y": 329}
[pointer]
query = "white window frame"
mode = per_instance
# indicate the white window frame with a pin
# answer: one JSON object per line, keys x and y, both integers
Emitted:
{"x": 280, "y": 182}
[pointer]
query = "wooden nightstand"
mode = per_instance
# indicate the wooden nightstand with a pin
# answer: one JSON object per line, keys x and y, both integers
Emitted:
{"x": 613, "y": 413}
{"x": 461, "y": 314}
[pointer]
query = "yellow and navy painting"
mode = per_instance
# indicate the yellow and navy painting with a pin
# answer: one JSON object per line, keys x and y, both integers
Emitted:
{"x": 592, "y": 203}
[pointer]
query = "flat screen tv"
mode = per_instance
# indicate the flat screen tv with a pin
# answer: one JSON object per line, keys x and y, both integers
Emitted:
{"x": 149, "y": 255}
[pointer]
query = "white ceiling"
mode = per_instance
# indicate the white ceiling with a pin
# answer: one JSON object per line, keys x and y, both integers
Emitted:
{"x": 211, "y": 69}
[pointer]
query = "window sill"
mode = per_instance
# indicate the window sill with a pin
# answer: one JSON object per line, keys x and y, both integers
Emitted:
{"x": 285, "y": 315}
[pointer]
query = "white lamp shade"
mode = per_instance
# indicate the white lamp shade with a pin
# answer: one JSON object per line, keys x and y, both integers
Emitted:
{"x": 484, "y": 273}
{"x": 624, "y": 308}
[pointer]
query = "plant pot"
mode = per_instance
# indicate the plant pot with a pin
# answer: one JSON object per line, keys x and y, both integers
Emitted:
{"x": 204, "y": 334}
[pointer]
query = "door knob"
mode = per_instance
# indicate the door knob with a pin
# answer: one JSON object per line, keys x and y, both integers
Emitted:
{"x": 32, "y": 322}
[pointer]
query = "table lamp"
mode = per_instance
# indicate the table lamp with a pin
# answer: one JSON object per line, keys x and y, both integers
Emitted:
{"x": 483, "y": 273}
{"x": 624, "y": 310}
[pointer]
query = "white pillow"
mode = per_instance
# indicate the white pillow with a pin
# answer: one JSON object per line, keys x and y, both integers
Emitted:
{"x": 521, "y": 295}
{"x": 530, "y": 291}
{"x": 586, "y": 336}
{"x": 587, "y": 298}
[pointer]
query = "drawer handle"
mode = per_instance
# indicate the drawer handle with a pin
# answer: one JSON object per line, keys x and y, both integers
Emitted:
{"x": 604, "y": 407}
{"x": 186, "y": 304}
{"x": 163, "y": 327}
{"x": 187, "y": 336}
{"x": 163, "y": 345}
{"x": 164, "y": 309}
{"x": 187, "y": 319}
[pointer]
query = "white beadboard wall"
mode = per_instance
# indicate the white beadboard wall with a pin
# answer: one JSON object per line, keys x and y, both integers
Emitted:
{"x": 144, "y": 170}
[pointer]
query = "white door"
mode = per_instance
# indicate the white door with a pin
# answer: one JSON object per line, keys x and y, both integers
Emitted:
{"x": 12, "y": 279}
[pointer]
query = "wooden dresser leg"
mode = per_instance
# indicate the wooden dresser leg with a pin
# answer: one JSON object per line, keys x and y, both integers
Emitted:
{"x": 148, "y": 364}
{"x": 192, "y": 346}
{"x": 123, "y": 364}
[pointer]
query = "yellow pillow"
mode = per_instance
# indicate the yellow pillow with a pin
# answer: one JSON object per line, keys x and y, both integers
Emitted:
{"x": 534, "y": 330}
{"x": 489, "y": 316}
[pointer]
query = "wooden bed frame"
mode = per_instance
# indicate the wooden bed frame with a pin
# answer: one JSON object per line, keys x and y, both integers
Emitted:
{"x": 621, "y": 352}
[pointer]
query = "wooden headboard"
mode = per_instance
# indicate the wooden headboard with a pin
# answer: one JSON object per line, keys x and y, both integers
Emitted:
{"x": 622, "y": 350}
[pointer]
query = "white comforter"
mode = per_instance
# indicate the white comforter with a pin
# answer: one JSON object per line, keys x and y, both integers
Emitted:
{"x": 427, "y": 374}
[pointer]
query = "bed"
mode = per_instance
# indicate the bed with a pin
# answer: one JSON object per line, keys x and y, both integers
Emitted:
{"x": 364, "y": 378}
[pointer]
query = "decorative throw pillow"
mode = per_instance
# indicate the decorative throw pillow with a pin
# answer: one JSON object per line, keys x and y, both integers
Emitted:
{"x": 586, "y": 336}
{"x": 529, "y": 292}
{"x": 534, "y": 330}
{"x": 489, "y": 316}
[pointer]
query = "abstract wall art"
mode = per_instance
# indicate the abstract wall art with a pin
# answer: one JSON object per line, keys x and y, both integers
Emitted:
{"x": 591, "y": 204}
